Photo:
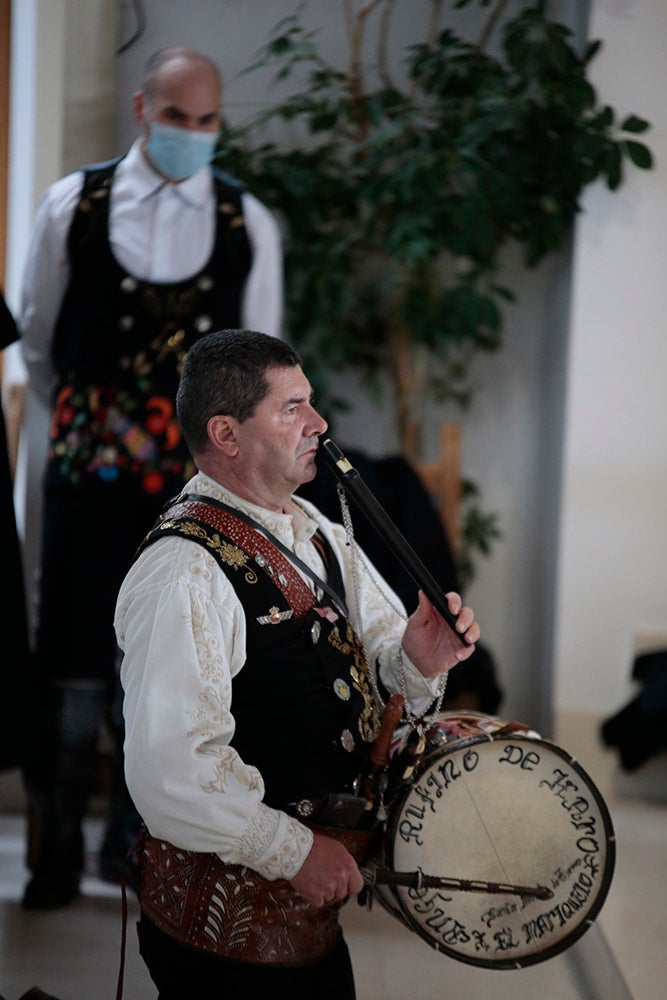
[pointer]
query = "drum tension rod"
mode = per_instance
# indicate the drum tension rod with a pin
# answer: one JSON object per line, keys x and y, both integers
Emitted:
{"x": 374, "y": 875}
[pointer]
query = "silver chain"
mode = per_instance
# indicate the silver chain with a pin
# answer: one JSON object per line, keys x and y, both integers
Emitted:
{"x": 357, "y": 555}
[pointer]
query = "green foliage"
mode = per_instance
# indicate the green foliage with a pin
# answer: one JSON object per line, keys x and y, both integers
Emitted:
{"x": 479, "y": 531}
{"x": 398, "y": 200}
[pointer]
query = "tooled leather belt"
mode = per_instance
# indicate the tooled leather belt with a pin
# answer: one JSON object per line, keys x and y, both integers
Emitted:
{"x": 232, "y": 911}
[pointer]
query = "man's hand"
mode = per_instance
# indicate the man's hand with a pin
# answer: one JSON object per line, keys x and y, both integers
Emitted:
{"x": 328, "y": 874}
{"x": 429, "y": 641}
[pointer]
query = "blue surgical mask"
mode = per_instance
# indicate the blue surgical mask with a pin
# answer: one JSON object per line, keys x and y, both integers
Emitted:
{"x": 179, "y": 152}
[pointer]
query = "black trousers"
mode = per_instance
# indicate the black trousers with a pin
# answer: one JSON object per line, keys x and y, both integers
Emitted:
{"x": 181, "y": 973}
{"x": 90, "y": 534}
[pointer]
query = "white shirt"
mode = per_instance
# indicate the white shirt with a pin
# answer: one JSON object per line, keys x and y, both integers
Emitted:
{"x": 158, "y": 232}
{"x": 182, "y": 630}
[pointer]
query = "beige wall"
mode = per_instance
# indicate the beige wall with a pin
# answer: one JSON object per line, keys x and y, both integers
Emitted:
{"x": 613, "y": 542}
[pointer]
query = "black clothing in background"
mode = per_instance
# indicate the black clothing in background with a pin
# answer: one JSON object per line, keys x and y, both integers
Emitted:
{"x": 639, "y": 730}
{"x": 14, "y": 659}
{"x": 400, "y": 492}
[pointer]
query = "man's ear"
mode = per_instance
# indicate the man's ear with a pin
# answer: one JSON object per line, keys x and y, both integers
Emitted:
{"x": 221, "y": 431}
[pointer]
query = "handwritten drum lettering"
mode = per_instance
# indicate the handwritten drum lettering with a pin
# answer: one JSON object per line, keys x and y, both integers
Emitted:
{"x": 576, "y": 807}
{"x": 561, "y": 875}
{"x": 439, "y": 779}
{"x": 505, "y": 940}
{"x": 449, "y": 930}
{"x": 513, "y": 754}
{"x": 560, "y": 914}
{"x": 425, "y": 795}
{"x": 495, "y": 912}
{"x": 410, "y": 831}
{"x": 461, "y": 811}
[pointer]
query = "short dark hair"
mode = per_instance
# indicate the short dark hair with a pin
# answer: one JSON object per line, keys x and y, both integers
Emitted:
{"x": 225, "y": 372}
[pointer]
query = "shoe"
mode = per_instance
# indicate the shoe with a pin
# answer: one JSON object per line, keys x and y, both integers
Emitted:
{"x": 51, "y": 892}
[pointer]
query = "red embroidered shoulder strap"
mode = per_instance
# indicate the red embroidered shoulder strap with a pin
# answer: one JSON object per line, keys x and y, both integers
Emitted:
{"x": 300, "y": 597}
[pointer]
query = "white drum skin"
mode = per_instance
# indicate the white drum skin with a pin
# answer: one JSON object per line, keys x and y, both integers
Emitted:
{"x": 491, "y": 801}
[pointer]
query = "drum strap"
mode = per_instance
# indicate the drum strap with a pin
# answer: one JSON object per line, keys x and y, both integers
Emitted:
{"x": 322, "y": 546}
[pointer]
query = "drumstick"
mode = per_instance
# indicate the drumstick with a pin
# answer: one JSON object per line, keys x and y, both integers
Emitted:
{"x": 353, "y": 484}
{"x": 372, "y": 875}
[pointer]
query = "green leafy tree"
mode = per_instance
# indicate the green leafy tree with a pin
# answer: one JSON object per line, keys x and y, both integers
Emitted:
{"x": 398, "y": 199}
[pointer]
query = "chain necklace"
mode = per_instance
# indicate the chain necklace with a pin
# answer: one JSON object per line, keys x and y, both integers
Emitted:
{"x": 417, "y": 724}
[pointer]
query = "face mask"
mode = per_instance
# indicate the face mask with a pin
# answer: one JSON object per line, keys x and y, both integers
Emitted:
{"x": 178, "y": 152}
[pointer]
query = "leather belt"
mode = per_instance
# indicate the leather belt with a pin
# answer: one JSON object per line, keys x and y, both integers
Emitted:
{"x": 339, "y": 809}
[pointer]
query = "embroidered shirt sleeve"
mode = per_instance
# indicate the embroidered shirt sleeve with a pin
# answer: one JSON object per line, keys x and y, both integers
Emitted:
{"x": 274, "y": 844}
{"x": 182, "y": 632}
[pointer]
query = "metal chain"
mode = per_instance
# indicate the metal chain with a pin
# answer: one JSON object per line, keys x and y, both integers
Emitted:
{"x": 357, "y": 555}
{"x": 356, "y": 558}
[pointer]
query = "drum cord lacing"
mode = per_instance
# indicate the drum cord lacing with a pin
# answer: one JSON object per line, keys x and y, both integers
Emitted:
{"x": 416, "y": 723}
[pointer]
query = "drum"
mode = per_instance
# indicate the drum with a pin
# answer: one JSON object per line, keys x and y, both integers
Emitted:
{"x": 505, "y": 819}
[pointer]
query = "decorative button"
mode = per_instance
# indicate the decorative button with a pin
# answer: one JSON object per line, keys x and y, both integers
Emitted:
{"x": 126, "y": 322}
{"x": 342, "y": 689}
{"x": 347, "y": 739}
{"x": 304, "y": 807}
{"x": 129, "y": 284}
{"x": 203, "y": 323}
{"x": 204, "y": 282}
{"x": 315, "y": 631}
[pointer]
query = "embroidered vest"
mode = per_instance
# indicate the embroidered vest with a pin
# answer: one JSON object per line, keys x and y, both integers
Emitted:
{"x": 303, "y": 705}
{"x": 120, "y": 343}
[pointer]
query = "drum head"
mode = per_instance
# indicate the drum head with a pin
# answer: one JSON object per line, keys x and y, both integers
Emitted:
{"x": 513, "y": 810}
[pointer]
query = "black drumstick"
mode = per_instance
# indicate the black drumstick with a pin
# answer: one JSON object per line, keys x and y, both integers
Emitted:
{"x": 417, "y": 880}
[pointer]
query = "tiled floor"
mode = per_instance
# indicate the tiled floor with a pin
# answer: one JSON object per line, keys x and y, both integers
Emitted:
{"x": 74, "y": 953}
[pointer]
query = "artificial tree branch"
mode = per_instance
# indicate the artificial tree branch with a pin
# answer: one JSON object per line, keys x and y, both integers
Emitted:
{"x": 401, "y": 362}
{"x": 434, "y": 20}
{"x": 356, "y": 25}
{"x": 431, "y": 34}
{"x": 490, "y": 24}
{"x": 383, "y": 36}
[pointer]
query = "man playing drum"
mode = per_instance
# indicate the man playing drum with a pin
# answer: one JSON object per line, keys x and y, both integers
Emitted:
{"x": 259, "y": 648}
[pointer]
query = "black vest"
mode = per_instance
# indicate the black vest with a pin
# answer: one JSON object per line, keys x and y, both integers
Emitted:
{"x": 120, "y": 343}
{"x": 304, "y": 689}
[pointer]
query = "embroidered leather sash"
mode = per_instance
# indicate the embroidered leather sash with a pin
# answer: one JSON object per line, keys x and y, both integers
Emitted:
{"x": 233, "y": 912}
{"x": 299, "y": 596}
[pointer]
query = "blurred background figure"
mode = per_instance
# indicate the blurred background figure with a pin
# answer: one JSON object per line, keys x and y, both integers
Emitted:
{"x": 14, "y": 618}
{"x": 130, "y": 262}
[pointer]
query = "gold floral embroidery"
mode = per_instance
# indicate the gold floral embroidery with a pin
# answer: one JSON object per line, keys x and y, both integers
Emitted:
{"x": 228, "y": 553}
